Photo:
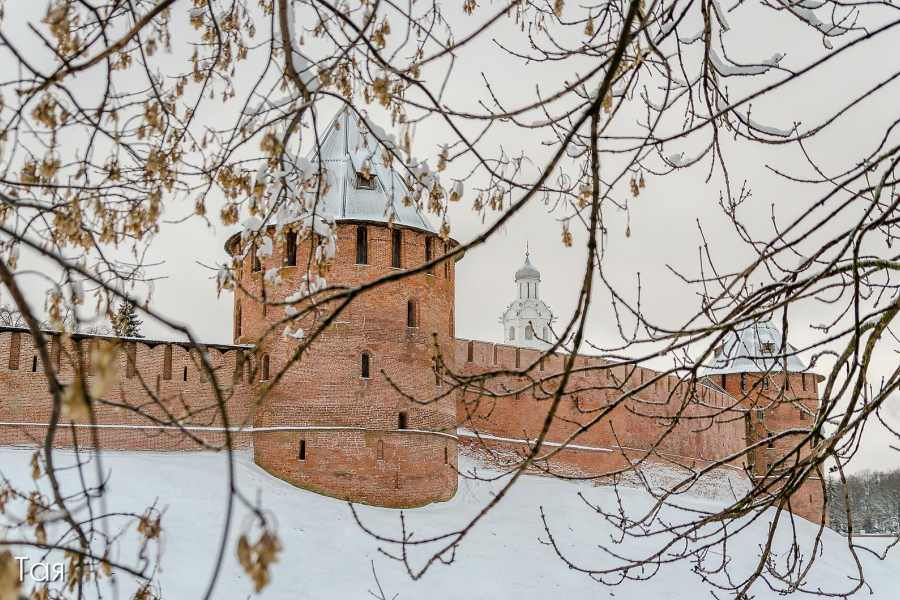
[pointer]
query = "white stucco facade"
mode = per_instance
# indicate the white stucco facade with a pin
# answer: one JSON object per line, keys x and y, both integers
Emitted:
{"x": 527, "y": 321}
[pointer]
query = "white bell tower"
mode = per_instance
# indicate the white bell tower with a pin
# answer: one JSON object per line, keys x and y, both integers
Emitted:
{"x": 526, "y": 322}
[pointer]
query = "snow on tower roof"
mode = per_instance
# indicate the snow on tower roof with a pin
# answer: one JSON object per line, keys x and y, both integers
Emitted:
{"x": 348, "y": 148}
{"x": 755, "y": 348}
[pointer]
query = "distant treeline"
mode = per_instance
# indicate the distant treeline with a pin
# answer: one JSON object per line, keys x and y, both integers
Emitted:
{"x": 874, "y": 502}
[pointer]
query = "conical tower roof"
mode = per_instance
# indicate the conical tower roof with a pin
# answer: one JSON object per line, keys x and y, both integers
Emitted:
{"x": 347, "y": 147}
{"x": 756, "y": 348}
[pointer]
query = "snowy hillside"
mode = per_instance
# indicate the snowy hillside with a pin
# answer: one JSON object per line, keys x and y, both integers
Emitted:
{"x": 326, "y": 555}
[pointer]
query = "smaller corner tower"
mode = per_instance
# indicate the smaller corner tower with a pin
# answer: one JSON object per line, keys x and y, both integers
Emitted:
{"x": 779, "y": 397}
{"x": 527, "y": 321}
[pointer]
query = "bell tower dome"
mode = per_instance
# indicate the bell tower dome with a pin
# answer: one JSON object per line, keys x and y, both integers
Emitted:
{"x": 526, "y": 322}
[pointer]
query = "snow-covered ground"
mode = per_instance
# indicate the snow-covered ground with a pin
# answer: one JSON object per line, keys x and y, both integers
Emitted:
{"x": 326, "y": 554}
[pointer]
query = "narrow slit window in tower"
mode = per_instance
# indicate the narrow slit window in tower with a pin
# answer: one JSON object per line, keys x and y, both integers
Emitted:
{"x": 237, "y": 320}
{"x": 397, "y": 249}
{"x": 131, "y": 356}
{"x": 411, "y": 314}
{"x": 265, "y": 368}
{"x": 446, "y": 262}
{"x": 15, "y": 346}
{"x": 364, "y": 366}
{"x": 290, "y": 249}
{"x": 362, "y": 245}
{"x": 167, "y": 363}
{"x": 401, "y": 420}
{"x": 302, "y": 450}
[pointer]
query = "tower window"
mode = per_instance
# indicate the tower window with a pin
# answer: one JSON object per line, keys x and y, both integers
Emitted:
{"x": 446, "y": 262}
{"x": 167, "y": 363}
{"x": 429, "y": 254}
{"x": 446, "y": 456}
{"x": 803, "y": 381}
{"x": 34, "y": 364}
{"x": 471, "y": 353}
{"x": 55, "y": 352}
{"x": 397, "y": 249}
{"x": 15, "y": 346}
{"x": 92, "y": 356}
{"x": 184, "y": 375}
{"x": 512, "y": 334}
{"x": 256, "y": 265}
{"x": 131, "y": 357}
{"x": 541, "y": 362}
{"x": 770, "y": 446}
{"x": 518, "y": 358}
{"x": 494, "y": 355}
{"x": 529, "y": 332}
{"x": 744, "y": 382}
{"x": 362, "y": 245}
{"x": 265, "y": 368}
{"x": 411, "y": 320}
{"x": 546, "y": 334}
{"x": 724, "y": 380}
{"x": 302, "y": 450}
{"x": 365, "y": 183}
{"x": 401, "y": 420}
{"x": 380, "y": 452}
{"x": 364, "y": 366}
{"x": 765, "y": 382}
{"x": 290, "y": 249}
{"x": 768, "y": 467}
{"x": 802, "y": 415}
{"x": 237, "y": 320}
{"x": 239, "y": 367}
{"x": 768, "y": 347}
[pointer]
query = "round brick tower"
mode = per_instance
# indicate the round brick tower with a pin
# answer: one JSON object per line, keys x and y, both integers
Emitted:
{"x": 361, "y": 417}
{"x": 750, "y": 366}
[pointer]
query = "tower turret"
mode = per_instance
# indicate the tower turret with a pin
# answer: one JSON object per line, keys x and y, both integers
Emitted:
{"x": 526, "y": 322}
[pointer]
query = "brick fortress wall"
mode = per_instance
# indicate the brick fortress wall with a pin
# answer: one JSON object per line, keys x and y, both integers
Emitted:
{"x": 157, "y": 384}
{"x": 711, "y": 426}
{"x": 705, "y": 431}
